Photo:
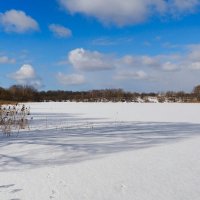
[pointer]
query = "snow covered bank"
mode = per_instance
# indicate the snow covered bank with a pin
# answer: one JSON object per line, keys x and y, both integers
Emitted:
{"x": 88, "y": 151}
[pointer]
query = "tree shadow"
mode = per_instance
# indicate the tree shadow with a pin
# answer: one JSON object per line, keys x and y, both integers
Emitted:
{"x": 10, "y": 188}
{"x": 84, "y": 140}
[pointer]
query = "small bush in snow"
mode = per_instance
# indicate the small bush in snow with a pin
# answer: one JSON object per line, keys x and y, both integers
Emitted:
{"x": 13, "y": 118}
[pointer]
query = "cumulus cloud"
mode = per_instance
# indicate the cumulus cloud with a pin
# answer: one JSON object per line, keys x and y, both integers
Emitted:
{"x": 86, "y": 60}
{"x": 70, "y": 79}
{"x": 128, "y": 11}
{"x": 190, "y": 59}
{"x": 26, "y": 75}
{"x": 6, "y": 60}
{"x": 60, "y": 31}
{"x": 25, "y": 72}
{"x": 18, "y": 22}
{"x": 159, "y": 62}
{"x": 114, "y": 11}
{"x": 165, "y": 70}
{"x": 146, "y": 68}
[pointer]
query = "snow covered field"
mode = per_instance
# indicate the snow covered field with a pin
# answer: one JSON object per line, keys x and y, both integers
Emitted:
{"x": 104, "y": 151}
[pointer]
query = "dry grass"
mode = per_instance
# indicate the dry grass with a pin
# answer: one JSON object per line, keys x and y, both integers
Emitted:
{"x": 13, "y": 117}
{"x": 2, "y": 102}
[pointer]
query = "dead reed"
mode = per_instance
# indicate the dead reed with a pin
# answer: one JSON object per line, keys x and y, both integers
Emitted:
{"x": 13, "y": 118}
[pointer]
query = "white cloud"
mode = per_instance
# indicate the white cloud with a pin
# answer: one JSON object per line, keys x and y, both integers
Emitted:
{"x": 194, "y": 66}
{"x": 6, "y": 60}
{"x": 138, "y": 75}
{"x": 60, "y": 31}
{"x": 26, "y": 75}
{"x": 161, "y": 71}
{"x": 85, "y": 60}
{"x": 17, "y": 21}
{"x": 70, "y": 79}
{"x": 141, "y": 69}
{"x": 184, "y": 5}
{"x": 25, "y": 72}
{"x": 169, "y": 66}
{"x": 129, "y": 60}
{"x": 192, "y": 59}
{"x": 114, "y": 11}
{"x": 170, "y": 63}
{"x": 159, "y": 62}
{"x": 150, "y": 61}
{"x": 128, "y": 11}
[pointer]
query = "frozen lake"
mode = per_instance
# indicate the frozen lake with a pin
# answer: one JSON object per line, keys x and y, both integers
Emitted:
{"x": 104, "y": 151}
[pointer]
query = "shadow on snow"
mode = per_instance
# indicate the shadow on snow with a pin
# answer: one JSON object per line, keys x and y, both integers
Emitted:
{"x": 52, "y": 146}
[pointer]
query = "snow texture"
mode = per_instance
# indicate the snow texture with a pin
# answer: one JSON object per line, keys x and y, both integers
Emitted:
{"x": 103, "y": 151}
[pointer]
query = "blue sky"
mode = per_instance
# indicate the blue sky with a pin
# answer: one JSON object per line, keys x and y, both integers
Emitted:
{"x": 147, "y": 45}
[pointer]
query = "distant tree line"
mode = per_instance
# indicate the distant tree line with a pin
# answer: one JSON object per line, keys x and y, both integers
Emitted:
{"x": 20, "y": 93}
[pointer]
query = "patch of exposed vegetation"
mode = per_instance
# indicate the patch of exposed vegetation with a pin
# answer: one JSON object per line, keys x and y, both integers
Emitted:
{"x": 13, "y": 118}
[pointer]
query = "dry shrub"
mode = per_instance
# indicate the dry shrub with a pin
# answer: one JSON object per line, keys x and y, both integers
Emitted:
{"x": 13, "y": 118}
